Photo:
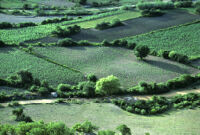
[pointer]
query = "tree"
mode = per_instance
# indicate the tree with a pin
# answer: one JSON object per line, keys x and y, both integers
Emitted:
{"x": 107, "y": 86}
{"x": 124, "y": 129}
{"x": 142, "y": 51}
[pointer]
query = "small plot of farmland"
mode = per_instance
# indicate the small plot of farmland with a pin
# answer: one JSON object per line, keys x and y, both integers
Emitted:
{"x": 20, "y": 19}
{"x": 137, "y": 26}
{"x": 13, "y": 60}
{"x": 105, "y": 61}
{"x": 109, "y": 116}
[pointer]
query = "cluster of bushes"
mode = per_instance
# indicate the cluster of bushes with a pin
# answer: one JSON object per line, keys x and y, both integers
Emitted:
{"x": 67, "y": 42}
{"x": 107, "y": 25}
{"x": 157, "y": 104}
{"x": 2, "y": 44}
{"x": 155, "y": 5}
{"x": 56, "y": 20}
{"x": 157, "y": 88}
{"x": 154, "y": 106}
{"x": 71, "y": 30}
{"x": 102, "y": 4}
{"x": 7, "y": 25}
{"x": 57, "y": 128}
{"x": 24, "y": 79}
{"x": 20, "y": 116}
{"x": 172, "y": 55}
{"x": 152, "y": 12}
{"x": 184, "y": 4}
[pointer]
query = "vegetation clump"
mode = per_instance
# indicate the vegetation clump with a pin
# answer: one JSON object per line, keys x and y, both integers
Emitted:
{"x": 152, "y": 12}
{"x": 71, "y": 30}
{"x": 86, "y": 127}
{"x": 155, "y": 5}
{"x": 107, "y": 25}
{"x": 107, "y": 86}
{"x": 20, "y": 116}
{"x": 142, "y": 51}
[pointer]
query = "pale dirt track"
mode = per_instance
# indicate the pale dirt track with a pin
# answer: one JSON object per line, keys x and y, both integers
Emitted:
{"x": 145, "y": 97}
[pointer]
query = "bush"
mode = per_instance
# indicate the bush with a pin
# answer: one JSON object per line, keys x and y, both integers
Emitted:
{"x": 142, "y": 51}
{"x": 124, "y": 129}
{"x": 43, "y": 91}
{"x": 151, "y": 13}
{"x": 67, "y": 42}
{"x": 26, "y": 24}
{"x": 71, "y": 30}
{"x": 107, "y": 25}
{"x": 86, "y": 127}
{"x": 197, "y": 10}
{"x": 5, "y": 25}
{"x": 178, "y": 57}
{"x": 89, "y": 89}
{"x": 131, "y": 45}
{"x": 3, "y": 97}
{"x": 116, "y": 22}
{"x": 64, "y": 87}
{"x": 82, "y": 2}
{"x": 107, "y": 86}
{"x": 13, "y": 104}
{"x": 26, "y": 6}
{"x": 20, "y": 115}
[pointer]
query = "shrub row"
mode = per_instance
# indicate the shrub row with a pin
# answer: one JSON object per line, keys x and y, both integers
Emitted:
{"x": 155, "y": 5}
{"x": 107, "y": 25}
{"x": 67, "y": 42}
{"x": 157, "y": 104}
{"x": 172, "y": 55}
{"x": 58, "y": 128}
{"x": 71, "y": 30}
{"x": 56, "y": 20}
{"x": 151, "y": 12}
{"x": 7, "y": 25}
{"x": 183, "y": 4}
{"x": 157, "y": 88}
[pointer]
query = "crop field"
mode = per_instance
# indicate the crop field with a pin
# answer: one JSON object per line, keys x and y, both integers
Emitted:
{"x": 104, "y": 61}
{"x": 19, "y": 3}
{"x": 109, "y": 116}
{"x": 182, "y": 39}
{"x": 20, "y": 19}
{"x": 37, "y": 32}
{"x": 13, "y": 60}
{"x": 137, "y": 26}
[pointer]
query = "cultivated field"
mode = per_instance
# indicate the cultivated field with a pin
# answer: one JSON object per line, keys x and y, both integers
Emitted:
{"x": 104, "y": 61}
{"x": 109, "y": 116}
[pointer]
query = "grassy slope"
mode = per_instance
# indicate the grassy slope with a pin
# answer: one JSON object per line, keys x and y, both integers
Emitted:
{"x": 13, "y": 60}
{"x": 108, "y": 116}
{"x": 104, "y": 61}
{"x": 184, "y": 39}
{"x": 32, "y": 33}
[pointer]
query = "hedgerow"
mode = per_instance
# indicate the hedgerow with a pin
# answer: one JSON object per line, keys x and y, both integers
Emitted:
{"x": 71, "y": 30}
{"x": 107, "y": 25}
{"x": 157, "y": 104}
{"x": 155, "y": 5}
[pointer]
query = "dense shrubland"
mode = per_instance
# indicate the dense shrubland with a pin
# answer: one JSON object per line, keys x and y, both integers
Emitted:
{"x": 157, "y": 104}
{"x": 71, "y": 30}
{"x": 107, "y": 25}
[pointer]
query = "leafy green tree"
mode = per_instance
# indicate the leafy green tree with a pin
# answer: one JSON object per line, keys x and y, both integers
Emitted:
{"x": 107, "y": 86}
{"x": 142, "y": 51}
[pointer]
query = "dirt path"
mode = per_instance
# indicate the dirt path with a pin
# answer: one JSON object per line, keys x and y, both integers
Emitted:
{"x": 145, "y": 97}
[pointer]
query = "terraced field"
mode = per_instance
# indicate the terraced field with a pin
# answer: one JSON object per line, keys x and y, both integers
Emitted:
{"x": 109, "y": 116}
{"x": 104, "y": 61}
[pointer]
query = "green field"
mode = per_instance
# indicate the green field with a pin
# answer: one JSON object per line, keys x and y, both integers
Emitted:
{"x": 13, "y": 60}
{"x": 37, "y": 32}
{"x": 105, "y": 61}
{"x": 184, "y": 39}
{"x": 109, "y": 116}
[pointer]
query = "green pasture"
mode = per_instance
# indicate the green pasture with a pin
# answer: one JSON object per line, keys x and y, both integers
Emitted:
{"x": 109, "y": 116}
{"x": 105, "y": 61}
{"x": 184, "y": 39}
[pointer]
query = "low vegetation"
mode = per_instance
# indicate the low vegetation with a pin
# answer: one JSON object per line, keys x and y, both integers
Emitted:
{"x": 66, "y": 32}
{"x": 157, "y": 105}
{"x": 107, "y": 25}
{"x": 155, "y": 5}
